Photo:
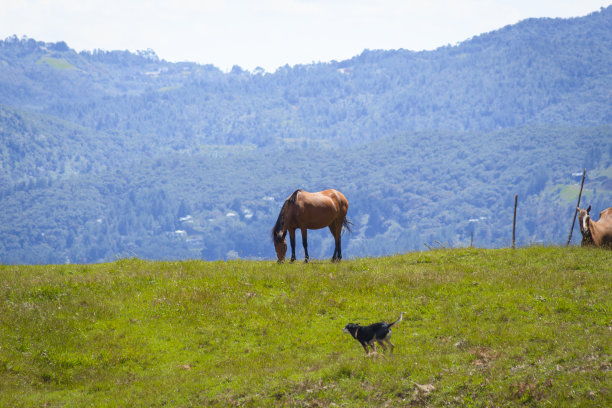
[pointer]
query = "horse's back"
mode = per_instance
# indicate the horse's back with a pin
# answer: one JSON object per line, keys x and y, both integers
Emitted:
{"x": 607, "y": 213}
{"x": 332, "y": 198}
{"x": 320, "y": 209}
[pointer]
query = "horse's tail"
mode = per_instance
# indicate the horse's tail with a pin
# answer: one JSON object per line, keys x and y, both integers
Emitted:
{"x": 346, "y": 225}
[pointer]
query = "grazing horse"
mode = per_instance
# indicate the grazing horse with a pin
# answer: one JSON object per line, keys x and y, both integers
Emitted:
{"x": 598, "y": 233}
{"x": 306, "y": 211}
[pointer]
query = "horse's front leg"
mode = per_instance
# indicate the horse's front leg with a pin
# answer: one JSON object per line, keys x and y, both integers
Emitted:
{"x": 305, "y": 243}
{"x": 292, "y": 239}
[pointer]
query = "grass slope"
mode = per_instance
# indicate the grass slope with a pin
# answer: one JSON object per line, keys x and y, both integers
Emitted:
{"x": 482, "y": 328}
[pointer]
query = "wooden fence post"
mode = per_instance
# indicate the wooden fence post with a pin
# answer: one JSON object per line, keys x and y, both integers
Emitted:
{"x": 514, "y": 222}
{"x": 577, "y": 206}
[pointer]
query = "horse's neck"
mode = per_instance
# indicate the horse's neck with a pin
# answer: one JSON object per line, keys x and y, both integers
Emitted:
{"x": 587, "y": 231}
{"x": 289, "y": 220}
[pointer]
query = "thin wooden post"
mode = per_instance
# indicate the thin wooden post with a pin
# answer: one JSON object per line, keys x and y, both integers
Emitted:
{"x": 471, "y": 239}
{"x": 577, "y": 206}
{"x": 514, "y": 222}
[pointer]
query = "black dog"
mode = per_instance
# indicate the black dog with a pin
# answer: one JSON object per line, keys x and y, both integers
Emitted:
{"x": 372, "y": 334}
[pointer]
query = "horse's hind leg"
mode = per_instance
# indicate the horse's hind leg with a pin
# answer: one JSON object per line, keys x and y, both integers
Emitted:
{"x": 332, "y": 229}
{"x": 305, "y": 243}
{"x": 337, "y": 251}
{"x": 336, "y": 229}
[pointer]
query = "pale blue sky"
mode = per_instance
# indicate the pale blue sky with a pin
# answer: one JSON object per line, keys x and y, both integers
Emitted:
{"x": 269, "y": 33}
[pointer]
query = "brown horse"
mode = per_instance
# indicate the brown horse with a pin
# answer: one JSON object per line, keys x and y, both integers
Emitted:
{"x": 306, "y": 211}
{"x": 598, "y": 233}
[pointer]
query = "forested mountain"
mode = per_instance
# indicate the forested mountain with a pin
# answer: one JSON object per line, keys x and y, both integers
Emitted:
{"x": 114, "y": 154}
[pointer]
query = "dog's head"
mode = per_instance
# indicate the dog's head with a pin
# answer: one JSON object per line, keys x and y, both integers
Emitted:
{"x": 350, "y": 328}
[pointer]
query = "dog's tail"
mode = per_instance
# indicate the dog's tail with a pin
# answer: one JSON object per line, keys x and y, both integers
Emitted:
{"x": 398, "y": 320}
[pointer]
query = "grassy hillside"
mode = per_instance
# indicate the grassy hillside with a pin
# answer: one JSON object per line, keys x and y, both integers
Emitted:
{"x": 529, "y": 327}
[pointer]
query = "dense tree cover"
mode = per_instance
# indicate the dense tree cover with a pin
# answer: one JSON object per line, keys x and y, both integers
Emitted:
{"x": 116, "y": 154}
{"x": 404, "y": 191}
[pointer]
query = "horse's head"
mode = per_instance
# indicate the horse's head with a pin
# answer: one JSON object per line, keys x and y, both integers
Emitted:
{"x": 280, "y": 245}
{"x": 583, "y": 218}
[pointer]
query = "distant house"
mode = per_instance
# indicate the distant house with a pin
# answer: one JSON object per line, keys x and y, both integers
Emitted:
{"x": 195, "y": 242}
{"x": 187, "y": 218}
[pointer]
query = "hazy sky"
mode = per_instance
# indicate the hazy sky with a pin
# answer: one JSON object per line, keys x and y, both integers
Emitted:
{"x": 269, "y": 33}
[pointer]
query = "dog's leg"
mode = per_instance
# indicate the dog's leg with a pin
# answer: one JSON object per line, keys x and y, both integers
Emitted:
{"x": 390, "y": 345}
{"x": 373, "y": 346}
{"x": 380, "y": 342}
{"x": 365, "y": 347}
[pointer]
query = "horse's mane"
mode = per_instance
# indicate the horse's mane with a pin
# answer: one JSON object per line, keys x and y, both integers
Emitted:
{"x": 278, "y": 227}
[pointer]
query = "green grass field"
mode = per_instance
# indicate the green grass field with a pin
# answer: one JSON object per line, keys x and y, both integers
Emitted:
{"x": 525, "y": 327}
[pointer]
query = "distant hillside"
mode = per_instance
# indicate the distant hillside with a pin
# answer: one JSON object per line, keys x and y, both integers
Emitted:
{"x": 404, "y": 191}
{"x": 39, "y": 147}
{"x": 538, "y": 71}
{"x": 109, "y": 154}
